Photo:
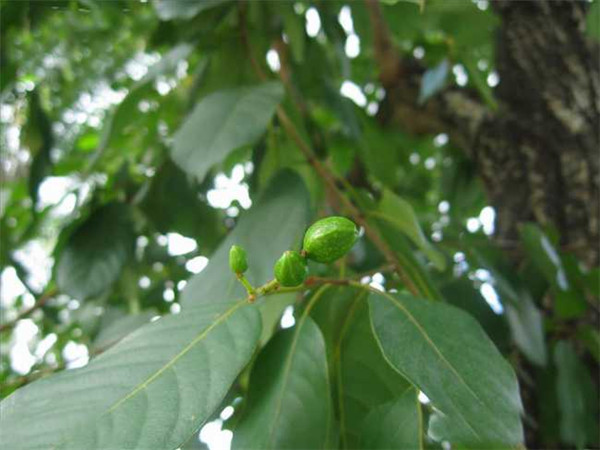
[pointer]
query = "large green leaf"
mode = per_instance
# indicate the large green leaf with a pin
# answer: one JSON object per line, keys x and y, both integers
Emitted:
{"x": 446, "y": 354}
{"x": 399, "y": 213}
{"x": 222, "y": 122}
{"x": 274, "y": 224}
{"x": 397, "y": 424}
{"x": 289, "y": 403}
{"x": 96, "y": 251}
{"x": 151, "y": 390}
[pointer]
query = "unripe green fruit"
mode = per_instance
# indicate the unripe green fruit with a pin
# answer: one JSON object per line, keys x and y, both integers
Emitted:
{"x": 290, "y": 269}
{"x": 237, "y": 259}
{"x": 329, "y": 239}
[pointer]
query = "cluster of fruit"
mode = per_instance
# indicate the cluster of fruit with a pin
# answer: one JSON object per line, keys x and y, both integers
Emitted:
{"x": 325, "y": 241}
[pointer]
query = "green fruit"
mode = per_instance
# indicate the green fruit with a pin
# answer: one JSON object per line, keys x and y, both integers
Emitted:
{"x": 291, "y": 269}
{"x": 237, "y": 259}
{"x": 329, "y": 239}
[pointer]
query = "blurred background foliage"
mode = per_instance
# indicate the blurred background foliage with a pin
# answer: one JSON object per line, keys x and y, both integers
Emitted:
{"x": 100, "y": 229}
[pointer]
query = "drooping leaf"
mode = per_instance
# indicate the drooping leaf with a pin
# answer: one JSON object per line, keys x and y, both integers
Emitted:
{"x": 414, "y": 267}
{"x": 446, "y": 354}
{"x": 95, "y": 252}
{"x": 222, "y": 122}
{"x": 527, "y": 328}
{"x": 289, "y": 404}
{"x": 399, "y": 213}
{"x": 274, "y": 224}
{"x": 151, "y": 390}
{"x": 577, "y": 398}
{"x": 395, "y": 425}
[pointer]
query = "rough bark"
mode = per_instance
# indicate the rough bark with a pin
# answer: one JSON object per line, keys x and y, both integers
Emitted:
{"x": 538, "y": 154}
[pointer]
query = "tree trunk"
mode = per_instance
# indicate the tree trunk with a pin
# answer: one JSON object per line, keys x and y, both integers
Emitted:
{"x": 538, "y": 154}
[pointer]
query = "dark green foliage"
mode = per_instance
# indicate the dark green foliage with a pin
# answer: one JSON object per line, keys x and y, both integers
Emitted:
{"x": 150, "y": 149}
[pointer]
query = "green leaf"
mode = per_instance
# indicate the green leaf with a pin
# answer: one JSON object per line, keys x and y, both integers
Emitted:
{"x": 95, "y": 252}
{"x": 414, "y": 267}
{"x": 364, "y": 379}
{"x": 527, "y": 328}
{"x": 38, "y": 137}
{"x": 183, "y": 9}
{"x": 591, "y": 339}
{"x": 577, "y": 398}
{"x": 451, "y": 359}
{"x": 294, "y": 28}
{"x": 397, "y": 424}
{"x": 543, "y": 254}
{"x": 223, "y": 122}
{"x": 173, "y": 205}
{"x": 433, "y": 81}
{"x": 379, "y": 152}
{"x": 289, "y": 403}
{"x": 151, "y": 390}
{"x": 569, "y": 302}
{"x": 401, "y": 215}
{"x": 274, "y": 224}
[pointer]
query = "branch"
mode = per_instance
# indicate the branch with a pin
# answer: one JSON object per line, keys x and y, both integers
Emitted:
{"x": 37, "y": 305}
{"x": 324, "y": 173}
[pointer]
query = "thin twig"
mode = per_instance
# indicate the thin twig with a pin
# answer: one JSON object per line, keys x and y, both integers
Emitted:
{"x": 37, "y": 305}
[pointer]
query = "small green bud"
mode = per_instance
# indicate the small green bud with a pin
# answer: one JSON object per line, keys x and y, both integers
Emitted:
{"x": 290, "y": 269}
{"x": 237, "y": 259}
{"x": 329, "y": 239}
